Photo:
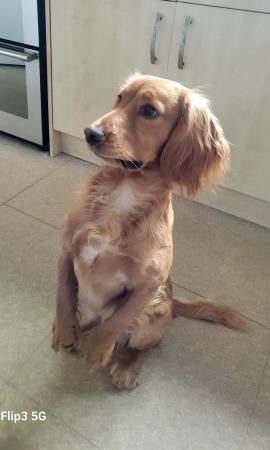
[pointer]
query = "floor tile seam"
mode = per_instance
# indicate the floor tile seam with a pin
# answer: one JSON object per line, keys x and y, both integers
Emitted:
{"x": 20, "y": 365}
{"x": 187, "y": 289}
{"x": 247, "y": 317}
{"x": 11, "y": 383}
{"x": 38, "y": 180}
{"x": 31, "y": 216}
{"x": 64, "y": 423}
{"x": 251, "y": 415}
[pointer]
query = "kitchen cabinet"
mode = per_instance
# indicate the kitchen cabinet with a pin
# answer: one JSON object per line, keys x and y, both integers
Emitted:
{"x": 244, "y": 5}
{"x": 226, "y": 55}
{"x": 95, "y": 46}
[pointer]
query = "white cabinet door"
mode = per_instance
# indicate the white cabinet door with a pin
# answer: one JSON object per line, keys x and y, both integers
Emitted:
{"x": 95, "y": 45}
{"x": 227, "y": 56}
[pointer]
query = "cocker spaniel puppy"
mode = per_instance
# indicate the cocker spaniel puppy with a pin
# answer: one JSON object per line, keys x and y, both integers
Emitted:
{"x": 114, "y": 285}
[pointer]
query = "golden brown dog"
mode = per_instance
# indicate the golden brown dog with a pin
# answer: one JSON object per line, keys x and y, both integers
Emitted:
{"x": 113, "y": 272}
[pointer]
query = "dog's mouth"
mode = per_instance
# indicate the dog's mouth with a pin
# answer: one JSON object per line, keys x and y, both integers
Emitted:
{"x": 132, "y": 164}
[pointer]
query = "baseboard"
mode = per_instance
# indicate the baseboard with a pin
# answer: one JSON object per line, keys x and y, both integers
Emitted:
{"x": 237, "y": 204}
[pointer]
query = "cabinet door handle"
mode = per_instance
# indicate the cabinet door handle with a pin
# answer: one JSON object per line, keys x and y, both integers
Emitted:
{"x": 183, "y": 41}
{"x": 153, "y": 57}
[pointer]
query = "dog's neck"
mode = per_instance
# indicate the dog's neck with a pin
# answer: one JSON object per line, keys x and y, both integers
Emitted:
{"x": 124, "y": 207}
{"x": 116, "y": 198}
{"x": 145, "y": 184}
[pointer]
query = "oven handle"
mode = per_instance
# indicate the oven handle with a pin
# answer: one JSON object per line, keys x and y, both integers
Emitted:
{"x": 25, "y": 56}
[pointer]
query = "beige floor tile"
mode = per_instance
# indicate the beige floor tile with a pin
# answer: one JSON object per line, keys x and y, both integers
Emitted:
{"x": 28, "y": 251}
{"x": 196, "y": 392}
{"x": 48, "y": 434}
{"x": 222, "y": 257}
{"x": 50, "y": 199}
{"x": 258, "y": 435}
{"x": 22, "y": 164}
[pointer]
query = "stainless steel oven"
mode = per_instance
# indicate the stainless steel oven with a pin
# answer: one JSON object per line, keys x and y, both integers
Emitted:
{"x": 23, "y": 102}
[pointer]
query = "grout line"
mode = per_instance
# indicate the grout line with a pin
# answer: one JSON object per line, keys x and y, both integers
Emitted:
{"x": 65, "y": 424}
{"x": 35, "y": 182}
{"x": 11, "y": 383}
{"x": 255, "y": 321}
{"x": 189, "y": 290}
{"x": 33, "y": 217}
{"x": 255, "y": 400}
{"x": 48, "y": 410}
{"x": 20, "y": 365}
{"x": 250, "y": 319}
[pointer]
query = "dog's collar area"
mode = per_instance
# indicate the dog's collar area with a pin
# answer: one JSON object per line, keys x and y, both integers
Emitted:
{"x": 131, "y": 164}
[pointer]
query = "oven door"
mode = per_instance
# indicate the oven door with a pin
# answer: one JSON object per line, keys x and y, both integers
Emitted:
{"x": 19, "y": 21}
{"x": 20, "y": 103}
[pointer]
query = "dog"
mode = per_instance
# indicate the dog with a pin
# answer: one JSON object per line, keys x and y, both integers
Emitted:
{"x": 114, "y": 288}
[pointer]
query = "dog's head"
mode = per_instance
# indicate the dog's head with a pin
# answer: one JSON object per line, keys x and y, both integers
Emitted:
{"x": 161, "y": 123}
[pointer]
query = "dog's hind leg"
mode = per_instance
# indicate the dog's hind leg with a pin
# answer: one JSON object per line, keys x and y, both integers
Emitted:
{"x": 145, "y": 333}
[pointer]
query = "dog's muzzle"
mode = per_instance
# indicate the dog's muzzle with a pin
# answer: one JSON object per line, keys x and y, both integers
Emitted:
{"x": 94, "y": 135}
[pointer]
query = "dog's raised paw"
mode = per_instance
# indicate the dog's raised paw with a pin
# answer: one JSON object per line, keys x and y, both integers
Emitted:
{"x": 97, "y": 348}
{"x": 66, "y": 340}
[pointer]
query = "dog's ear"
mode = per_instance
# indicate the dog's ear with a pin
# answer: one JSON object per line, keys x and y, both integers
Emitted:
{"x": 196, "y": 152}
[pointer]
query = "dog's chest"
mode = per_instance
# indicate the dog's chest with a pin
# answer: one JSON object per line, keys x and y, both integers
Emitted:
{"x": 124, "y": 198}
{"x": 101, "y": 279}
{"x": 102, "y": 269}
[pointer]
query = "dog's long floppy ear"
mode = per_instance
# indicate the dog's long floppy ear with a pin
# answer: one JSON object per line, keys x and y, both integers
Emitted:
{"x": 196, "y": 152}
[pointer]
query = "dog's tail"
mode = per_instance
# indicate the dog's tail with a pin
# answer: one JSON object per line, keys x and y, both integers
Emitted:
{"x": 208, "y": 310}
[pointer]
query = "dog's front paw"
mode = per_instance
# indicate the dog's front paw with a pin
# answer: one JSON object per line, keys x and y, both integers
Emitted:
{"x": 64, "y": 339}
{"x": 97, "y": 349}
{"x": 124, "y": 376}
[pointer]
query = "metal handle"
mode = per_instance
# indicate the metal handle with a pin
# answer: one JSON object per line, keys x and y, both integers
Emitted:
{"x": 153, "y": 57}
{"x": 183, "y": 41}
{"x": 25, "y": 56}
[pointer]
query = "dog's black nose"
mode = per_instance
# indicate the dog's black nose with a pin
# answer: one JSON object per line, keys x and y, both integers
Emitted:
{"x": 94, "y": 135}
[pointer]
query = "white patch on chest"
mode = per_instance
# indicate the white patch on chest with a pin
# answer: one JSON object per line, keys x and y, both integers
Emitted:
{"x": 88, "y": 254}
{"x": 120, "y": 278}
{"x": 124, "y": 197}
{"x": 92, "y": 301}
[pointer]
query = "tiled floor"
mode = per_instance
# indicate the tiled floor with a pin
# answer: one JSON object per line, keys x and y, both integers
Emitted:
{"x": 206, "y": 387}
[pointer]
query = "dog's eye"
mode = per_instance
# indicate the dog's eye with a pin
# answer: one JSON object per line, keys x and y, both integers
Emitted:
{"x": 148, "y": 111}
{"x": 119, "y": 98}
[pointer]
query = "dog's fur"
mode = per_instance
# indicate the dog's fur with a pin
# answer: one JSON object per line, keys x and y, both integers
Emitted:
{"x": 113, "y": 272}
